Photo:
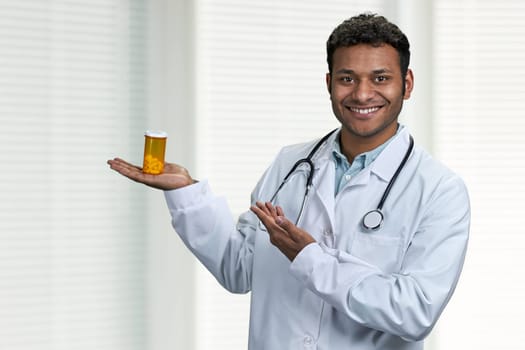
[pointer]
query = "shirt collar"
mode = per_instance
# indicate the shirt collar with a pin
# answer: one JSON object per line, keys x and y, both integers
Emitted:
{"x": 363, "y": 160}
{"x": 388, "y": 161}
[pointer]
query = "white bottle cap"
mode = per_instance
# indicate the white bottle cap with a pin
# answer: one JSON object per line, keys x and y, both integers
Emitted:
{"x": 156, "y": 134}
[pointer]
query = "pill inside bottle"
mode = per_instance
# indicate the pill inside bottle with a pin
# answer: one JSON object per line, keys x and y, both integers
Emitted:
{"x": 154, "y": 151}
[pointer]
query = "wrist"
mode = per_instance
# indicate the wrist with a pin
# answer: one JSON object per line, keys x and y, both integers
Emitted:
{"x": 181, "y": 182}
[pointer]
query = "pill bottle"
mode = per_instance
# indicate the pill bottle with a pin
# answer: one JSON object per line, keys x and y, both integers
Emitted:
{"x": 154, "y": 151}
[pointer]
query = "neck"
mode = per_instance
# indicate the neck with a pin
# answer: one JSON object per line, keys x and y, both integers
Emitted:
{"x": 353, "y": 145}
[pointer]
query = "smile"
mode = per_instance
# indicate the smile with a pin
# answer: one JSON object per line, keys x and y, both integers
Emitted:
{"x": 364, "y": 110}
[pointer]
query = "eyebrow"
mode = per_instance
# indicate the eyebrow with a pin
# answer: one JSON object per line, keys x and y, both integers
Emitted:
{"x": 375, "y": 71}
{"x": 381, "y": 71}
{"x": 344, "y": 71}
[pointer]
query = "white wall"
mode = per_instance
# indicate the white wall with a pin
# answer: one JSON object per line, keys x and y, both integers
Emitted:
{"x": 171, "y": 269}
{"x": 466, "y": 108}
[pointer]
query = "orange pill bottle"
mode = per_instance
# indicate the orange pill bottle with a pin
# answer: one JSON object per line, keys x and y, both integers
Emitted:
{"x": 154, "y": 151}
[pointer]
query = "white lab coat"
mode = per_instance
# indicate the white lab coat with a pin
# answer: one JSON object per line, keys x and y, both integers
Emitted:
{"x": 352, "y": 289}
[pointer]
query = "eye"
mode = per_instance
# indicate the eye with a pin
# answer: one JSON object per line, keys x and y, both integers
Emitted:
{"x": 381, "y": 78}
{"x": 347, "y": 79}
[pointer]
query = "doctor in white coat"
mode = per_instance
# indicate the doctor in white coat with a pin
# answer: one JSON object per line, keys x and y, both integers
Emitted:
{"x": 319, "y": 277}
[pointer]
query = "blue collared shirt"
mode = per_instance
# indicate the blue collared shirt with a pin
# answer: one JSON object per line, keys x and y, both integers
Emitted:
{"x": 344, "y": 170}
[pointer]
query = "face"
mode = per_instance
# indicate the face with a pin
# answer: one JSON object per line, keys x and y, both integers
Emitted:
{"x": 366, "y": 90}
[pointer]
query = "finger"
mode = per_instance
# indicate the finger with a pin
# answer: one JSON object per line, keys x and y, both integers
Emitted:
{"x": 262, "y": 206}
{"x": 264, "y": 218}
{"x": 120, "y": 164}
{"x": 175, "y": 168}
{"x": 132, "y": 172}
{"x": 123, "y": 168}
{"x": 295, "y": 233}
{"x": 280, "y": 211}
{"x": 289, "y": 227}
{"x": 257, "y": 210}
{"x": 271, "y": 209}
{"x": 135, "y": 174}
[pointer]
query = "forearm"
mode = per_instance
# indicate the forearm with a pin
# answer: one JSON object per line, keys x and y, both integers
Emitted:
{"x": 206, "y": 226}
{"x": 396, "y": 304}
{"x": 406, "y": 303}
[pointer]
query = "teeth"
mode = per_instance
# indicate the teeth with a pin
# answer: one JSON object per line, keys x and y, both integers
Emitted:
{"x": 364, "y": 110}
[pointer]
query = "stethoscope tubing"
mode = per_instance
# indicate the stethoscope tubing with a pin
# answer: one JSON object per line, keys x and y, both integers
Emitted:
{"x": 372, "y": 220}
{"x": 396, "y": 174}
{"x": 309, "y": 162}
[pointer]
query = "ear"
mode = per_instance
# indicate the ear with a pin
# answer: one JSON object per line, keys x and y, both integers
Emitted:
{"x": 329, "y": 83}
{"x": 409, "y": 84}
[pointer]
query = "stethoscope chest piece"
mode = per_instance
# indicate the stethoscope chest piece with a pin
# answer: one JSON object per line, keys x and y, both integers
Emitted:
{"x": 373, "y": 219}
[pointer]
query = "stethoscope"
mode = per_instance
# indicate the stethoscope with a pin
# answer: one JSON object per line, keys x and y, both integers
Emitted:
{"x": 373, "y": 219}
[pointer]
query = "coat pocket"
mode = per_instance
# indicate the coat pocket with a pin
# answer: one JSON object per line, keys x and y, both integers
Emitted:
{"x": 378, "y": 250}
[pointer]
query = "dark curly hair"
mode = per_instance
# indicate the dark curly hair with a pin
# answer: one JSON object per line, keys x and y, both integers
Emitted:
{"x": 368, "y": 28}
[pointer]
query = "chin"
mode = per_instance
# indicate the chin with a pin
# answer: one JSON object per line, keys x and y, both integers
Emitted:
{"x": 369, "y": 131}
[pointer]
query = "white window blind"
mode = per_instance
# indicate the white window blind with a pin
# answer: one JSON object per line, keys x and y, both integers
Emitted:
{"x": 71, "y": 237}
{"x": 260, "y": 85}
{"x": 479, "y": 53}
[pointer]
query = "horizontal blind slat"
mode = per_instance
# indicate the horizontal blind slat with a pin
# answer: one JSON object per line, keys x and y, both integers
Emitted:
{"x": 479, "y": 51}
{"x": 72, "y": 255}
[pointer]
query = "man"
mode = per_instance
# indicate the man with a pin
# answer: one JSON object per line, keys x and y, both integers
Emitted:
{"x": 321, "y": 276}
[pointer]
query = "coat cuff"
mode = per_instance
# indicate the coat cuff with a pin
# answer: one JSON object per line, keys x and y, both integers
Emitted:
{"x": 188, "y": 196}
{"x": 304, "y": 263}
{"x": 315, "y": 267}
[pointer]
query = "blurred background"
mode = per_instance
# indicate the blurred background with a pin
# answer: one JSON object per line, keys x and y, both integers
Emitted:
{"x": 88, "y": 259}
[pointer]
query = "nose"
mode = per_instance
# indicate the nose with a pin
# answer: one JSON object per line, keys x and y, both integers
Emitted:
{"x": 363, "y": 91}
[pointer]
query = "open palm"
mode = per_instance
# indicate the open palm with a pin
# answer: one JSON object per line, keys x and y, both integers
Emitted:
{"x": 174, "y": 176}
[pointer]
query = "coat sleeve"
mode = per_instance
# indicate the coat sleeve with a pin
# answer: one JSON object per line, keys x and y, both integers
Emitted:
{"x": 207, "y": 227}
{"x": 409, "y": 302}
